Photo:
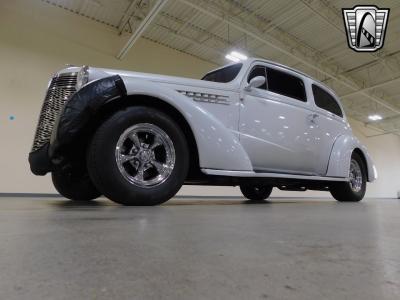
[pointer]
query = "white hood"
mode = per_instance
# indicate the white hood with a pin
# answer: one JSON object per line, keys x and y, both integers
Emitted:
{"x": 96, "y": 73}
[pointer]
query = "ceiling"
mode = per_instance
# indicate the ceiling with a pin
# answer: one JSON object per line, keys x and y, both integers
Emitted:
{"x": 308, "y": 35}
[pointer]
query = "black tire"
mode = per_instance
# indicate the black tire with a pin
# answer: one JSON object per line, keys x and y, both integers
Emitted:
{"x": 105, "y": 171}
{"x": 78, "y": 187}
{"x": 256, "y": 192}
{"x": 343, "y": 191}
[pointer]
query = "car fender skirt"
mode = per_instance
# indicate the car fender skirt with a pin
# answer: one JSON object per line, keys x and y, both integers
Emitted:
{"x": 83, "y": 105}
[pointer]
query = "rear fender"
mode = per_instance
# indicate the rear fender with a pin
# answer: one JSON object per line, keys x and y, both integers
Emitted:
{"x": 339, "y": 162}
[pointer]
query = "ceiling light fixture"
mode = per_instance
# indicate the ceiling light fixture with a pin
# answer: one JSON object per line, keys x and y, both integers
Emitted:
{"x": 232, "y": 58}
{"x": 375, "y": 117}
{"x": 236, "y": 56}
{"x": 239, "y": 55}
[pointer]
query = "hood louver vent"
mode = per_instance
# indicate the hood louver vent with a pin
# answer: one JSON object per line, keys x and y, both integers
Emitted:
{"x": 206, "y": 97}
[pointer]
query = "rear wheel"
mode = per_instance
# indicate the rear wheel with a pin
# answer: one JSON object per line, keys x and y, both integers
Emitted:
{"x": 354, "y": 189}
{"x": 139, "y": 156}
{"x": 256, "y": 192}
{"x": 75, "y": 185}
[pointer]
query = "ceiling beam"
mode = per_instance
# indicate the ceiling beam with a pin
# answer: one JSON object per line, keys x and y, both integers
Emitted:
{"x": 377, "y": 126}
{"x": 81, "y": 6}
{"x": 190, "y": 41}
{"x": 378, "y": 85}
{"x": 158, "y": 6}
{"x": 333, "y": 17}
{"x": 187, "y": 22}
{"x": 198, "y": 29}
{"x": 285, "y": 43}
{"x": 396, "y": 132}
{"x": 126, "y": 16}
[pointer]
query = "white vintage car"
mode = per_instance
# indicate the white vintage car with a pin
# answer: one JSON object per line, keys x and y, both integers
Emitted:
{"x": 137, "y": 138}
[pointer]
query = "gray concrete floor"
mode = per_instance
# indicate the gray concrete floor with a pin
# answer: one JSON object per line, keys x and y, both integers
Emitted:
{"x": 200, "y": 249}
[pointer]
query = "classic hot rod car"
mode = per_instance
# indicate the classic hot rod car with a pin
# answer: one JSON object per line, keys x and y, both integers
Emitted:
{"x": 136, "y": 138}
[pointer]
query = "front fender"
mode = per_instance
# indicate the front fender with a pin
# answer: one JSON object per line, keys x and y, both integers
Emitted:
{"x": 82, "y": 107}
{"x": 339, "y": 162}
{"x": 218, "y": 148}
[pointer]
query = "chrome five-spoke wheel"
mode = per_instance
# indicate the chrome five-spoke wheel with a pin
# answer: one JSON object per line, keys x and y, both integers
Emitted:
{"x": 356, "y": 179}
{"x": 145, "y": 155}
{"x": 139, "y": 156}
{"x": 352, "y": 190}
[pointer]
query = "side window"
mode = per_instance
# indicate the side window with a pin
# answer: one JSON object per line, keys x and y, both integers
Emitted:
{"x": 258, "y": 71}
{"x": 224, "y": 75}
{"x": 325, "y": 101}
{"x": 286, "y": 84}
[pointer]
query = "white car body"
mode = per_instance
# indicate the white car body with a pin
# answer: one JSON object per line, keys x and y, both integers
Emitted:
{"x": 255, "y": 133}
{"x": 137, "y": 138}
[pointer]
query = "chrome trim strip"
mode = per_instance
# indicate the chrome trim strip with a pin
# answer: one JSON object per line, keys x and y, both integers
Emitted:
{"x": 269, "y": 175}
{"x": 206, "y": 97}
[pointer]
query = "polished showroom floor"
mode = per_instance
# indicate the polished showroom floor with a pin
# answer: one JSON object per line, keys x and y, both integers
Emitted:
{"x": 197, "y": 248}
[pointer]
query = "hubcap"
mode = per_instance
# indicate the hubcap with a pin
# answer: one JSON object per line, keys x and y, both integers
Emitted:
{"x": 145, "y": 155}
{"x": 356, "y": 179}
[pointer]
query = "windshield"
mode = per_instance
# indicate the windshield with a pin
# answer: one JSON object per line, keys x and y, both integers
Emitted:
{"x": 223, "y": 75}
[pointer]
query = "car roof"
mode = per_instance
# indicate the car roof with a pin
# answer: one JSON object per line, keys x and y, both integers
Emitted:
{"x": 251, "y": 60}
{"x": 255, "y": 59}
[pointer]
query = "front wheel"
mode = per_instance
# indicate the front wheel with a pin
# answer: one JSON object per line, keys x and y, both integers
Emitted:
{"x": 354, "y": 189}
{"x": 75, "y": 185}
{"x": 256, "y": 192}
{"x": 139, "y": 156}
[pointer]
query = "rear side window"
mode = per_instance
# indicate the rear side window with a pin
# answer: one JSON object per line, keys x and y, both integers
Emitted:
{"x": 224, "y": 75}
{"x": 325, "y": 101}
{"x": 286, "y": 84}
{"x": 258, "y": 71}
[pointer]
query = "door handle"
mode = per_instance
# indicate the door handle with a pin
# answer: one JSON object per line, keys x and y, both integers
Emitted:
{"x": 313, "y": 118}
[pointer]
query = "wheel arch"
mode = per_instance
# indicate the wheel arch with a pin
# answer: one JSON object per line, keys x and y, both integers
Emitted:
{"x": 339, "y": 162}
{"x": 150, "y": 101}
{"x": 361, "y": 154}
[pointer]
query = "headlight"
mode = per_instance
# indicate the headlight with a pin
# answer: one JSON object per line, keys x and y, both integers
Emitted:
{"x": 83, "y": 77}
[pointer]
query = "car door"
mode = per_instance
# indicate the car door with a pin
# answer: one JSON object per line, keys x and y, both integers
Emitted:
{"x": 275, "y": 124}
{"x": 329, "y": 125}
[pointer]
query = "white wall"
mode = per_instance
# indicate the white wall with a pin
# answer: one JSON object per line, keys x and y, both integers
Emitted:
{"x": 37, "y": 39}
{"x": 385, "y": 151}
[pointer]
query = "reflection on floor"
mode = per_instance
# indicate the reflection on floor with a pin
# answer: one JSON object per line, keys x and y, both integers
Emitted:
{"x": 200, "y": 248}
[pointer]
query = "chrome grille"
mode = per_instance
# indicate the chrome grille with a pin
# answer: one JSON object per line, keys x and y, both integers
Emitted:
{"x": 61, "y": 88}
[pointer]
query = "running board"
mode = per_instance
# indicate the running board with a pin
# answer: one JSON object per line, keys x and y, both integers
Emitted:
{"x": 270, "y": 175}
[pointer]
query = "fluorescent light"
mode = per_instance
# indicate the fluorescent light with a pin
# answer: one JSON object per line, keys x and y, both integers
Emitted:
{"x": 232, "y": 58}
{"x": 236, "y": 56}
{"x": 375, "y": 117}
{"x": 239, "y": 55}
